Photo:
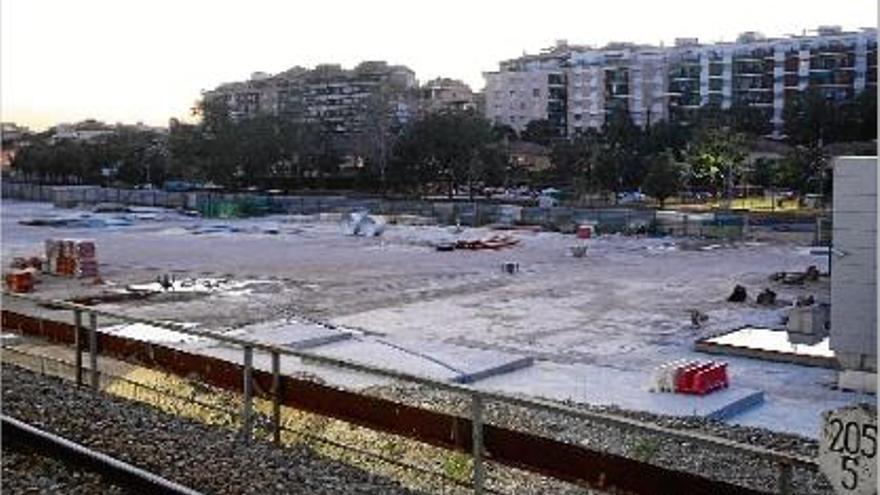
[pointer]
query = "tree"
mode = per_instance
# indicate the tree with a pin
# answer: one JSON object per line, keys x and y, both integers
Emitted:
{"x": 664, "y": 177}
{"x": 441, "y": 148}
{"x": 810, "y": 119}
{"x": 621, "y": 165}
{"x": 188, "y": 159}
{"x": 805, "y": 169}
{"x": 716, "y": 157}
{"x": 542, "y": 132}
{"x": 765, "y": 173}
{"x": 574, "y": 162}
{"x": 504, "y": 131}
{"x": 378, "y": 135}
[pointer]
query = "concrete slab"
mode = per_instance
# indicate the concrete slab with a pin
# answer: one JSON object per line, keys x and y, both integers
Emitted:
{"x": 601, "y": 385}
{"x": 430, "y": 358}
{"x": 150, "y": 333}
{"x": 377, "y": 353}
{"x": 471, "y": 364}
{"x": 789, "y": 416}
{"x": 9, "y": 339}
{"x": 857, "y": 381}
{"x": 770, "y": 345}
{"x": 291, "y": 333}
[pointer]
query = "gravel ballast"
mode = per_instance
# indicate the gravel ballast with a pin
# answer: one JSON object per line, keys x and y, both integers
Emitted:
{"x": 671, "y": 453}
{"x": 208, "y": 459}
{"x": 28, "y": 472}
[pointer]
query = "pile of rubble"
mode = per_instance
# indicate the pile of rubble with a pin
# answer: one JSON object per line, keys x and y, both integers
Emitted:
{"x": 494, "y": 242}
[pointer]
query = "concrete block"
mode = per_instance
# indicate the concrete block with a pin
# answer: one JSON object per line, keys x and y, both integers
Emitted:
{"x": 738, "y": 405}
{"x": 807, "y": 319}
{"x": 500, "y": 369}
{"x": 857, "y": 381}
{"x": 10, "y": 339}
{"x": 293, "y": 334}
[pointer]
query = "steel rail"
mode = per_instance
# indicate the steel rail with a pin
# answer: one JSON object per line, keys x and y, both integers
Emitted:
{"x": 617, "y": 421}
{"x": 126, "y": 475}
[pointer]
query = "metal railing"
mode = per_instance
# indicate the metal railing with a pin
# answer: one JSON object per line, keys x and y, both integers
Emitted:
{"x": 784, "y": 461}
{"x": 43, "y": 368}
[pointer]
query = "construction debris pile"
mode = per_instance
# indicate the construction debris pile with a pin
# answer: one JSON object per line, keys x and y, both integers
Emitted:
{"x": 797, "y": 278}
{"x": 361, "y": 223}
{"x": 71, "y": 258}
{"x": 495, "y": 242}
{"x": 690, "y": 377}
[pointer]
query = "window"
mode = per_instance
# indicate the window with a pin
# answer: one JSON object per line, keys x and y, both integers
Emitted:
{"x": 536, "y": 93}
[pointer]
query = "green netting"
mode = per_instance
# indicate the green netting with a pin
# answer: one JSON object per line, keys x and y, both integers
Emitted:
{"x": 236, "y": 208}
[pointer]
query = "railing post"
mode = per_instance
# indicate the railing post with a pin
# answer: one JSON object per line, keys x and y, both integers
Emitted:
{"x": 477, "y": 439}
{"x": 247, "y": 413}
{"x": 77, "y": 344}
{"x": 785, "y": 478}
{"x": 93, "y": 349}
{"x": 276, "y": 397}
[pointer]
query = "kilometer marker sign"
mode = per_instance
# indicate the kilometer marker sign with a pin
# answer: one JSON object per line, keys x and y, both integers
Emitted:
{"x": 848, "y": 449}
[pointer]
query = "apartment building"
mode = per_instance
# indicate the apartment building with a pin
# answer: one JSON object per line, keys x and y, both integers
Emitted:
{"x": 622, "y": 76}
{"x": 658, "y": 83}
{"x": 532, "y": 87}
{"x": 338, "y": 99}
{"x": 443, "y": 94}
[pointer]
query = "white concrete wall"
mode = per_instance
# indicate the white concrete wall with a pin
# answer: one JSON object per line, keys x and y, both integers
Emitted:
{"x": 854, "y": 268}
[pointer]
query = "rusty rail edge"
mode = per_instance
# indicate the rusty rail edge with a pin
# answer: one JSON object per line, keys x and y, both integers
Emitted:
{"x": 126, "y": 475}
{"x": 522, "y": 450}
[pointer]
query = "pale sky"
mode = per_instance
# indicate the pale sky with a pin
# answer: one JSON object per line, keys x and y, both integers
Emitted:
{"x": 148, "y": 60}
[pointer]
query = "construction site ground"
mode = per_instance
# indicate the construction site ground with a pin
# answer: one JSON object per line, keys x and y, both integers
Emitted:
{"x": 596, "y": 327}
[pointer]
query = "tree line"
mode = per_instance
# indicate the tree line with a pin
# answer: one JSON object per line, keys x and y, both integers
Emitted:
{"x": 454, "y": 151}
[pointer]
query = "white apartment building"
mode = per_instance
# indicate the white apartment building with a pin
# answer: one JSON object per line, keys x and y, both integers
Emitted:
{"x": 532, "y": 87}
{"x": 659, "y": 83}
{"x": 621, "y": 76}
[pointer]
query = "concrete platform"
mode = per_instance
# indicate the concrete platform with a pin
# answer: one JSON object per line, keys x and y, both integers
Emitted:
{"x": 10, "y": 339}
{"x": 603, "y": 386}
{"x": 770, "y": 345}
{"x": 149, "y": 333}
{"x": 857, "y": 381}
{"x": 291, "y": 333}
{"x": 428, "y": 358}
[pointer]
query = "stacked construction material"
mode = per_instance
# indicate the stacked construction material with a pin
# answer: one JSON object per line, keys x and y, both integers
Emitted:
{"x": 71, "y": 258}
{"x": 86, "y": 260}
{"x": 691, "y": 377}
{"x": 20, "y": 281}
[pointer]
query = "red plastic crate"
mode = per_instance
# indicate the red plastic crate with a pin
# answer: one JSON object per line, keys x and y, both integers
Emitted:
{"x": 686, "y": 378}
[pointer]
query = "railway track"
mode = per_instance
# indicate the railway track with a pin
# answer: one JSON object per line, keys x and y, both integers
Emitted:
{"x": 22, "y": 436}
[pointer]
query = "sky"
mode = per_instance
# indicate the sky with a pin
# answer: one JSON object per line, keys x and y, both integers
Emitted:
{"x": 148, "y": 60}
